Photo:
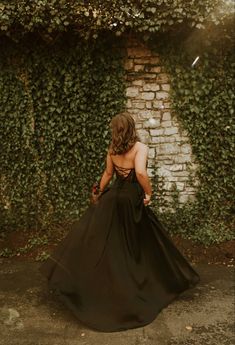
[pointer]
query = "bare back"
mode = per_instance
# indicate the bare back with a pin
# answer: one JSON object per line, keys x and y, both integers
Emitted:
{"x": 136, "y": 158}
{"x": 127, "y": 160}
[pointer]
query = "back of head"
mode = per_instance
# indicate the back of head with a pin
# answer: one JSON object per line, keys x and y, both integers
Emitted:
{"x": 124, "y": 134}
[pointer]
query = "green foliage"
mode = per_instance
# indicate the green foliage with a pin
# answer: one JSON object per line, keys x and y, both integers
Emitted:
{"x": 56, "y": 104}
{"x": 91, "y": 17}
{"x": 57, "y": 99}
{"x": 6, "y": 253}
{"x": 33, "y": 242}
{"x": 42, "y": 256}
{"x": 203, "y": 100}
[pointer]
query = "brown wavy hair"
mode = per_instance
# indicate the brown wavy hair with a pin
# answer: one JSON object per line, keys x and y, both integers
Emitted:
{"x": 124, "y": 134}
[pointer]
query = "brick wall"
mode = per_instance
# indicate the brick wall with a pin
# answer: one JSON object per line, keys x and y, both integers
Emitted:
{"x": 148, "y": 88}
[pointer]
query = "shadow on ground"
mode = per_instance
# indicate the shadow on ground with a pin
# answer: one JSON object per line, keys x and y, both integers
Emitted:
{"x": 30, "y": 315}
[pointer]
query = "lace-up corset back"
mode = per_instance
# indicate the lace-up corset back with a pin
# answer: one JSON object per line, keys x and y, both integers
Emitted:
{"x": 124, "y": 173}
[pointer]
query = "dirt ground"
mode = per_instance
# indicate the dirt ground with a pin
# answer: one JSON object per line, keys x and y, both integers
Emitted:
{"x": 31, "y": 315}
{"x": 24, "y": 245}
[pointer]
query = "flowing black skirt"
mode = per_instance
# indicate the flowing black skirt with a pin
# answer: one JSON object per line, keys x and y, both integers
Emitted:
{"x": 117, "y": 267}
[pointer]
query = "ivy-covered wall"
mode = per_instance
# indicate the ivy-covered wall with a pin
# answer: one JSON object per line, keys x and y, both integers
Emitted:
{"x": 184, "y": 111}
{"x": 89, "y": 18}
{"x": 203, "y": 100}
{"x": 149, "y": 101}
{"x": 61, "y": 80}
{"x": 56, "y": 103}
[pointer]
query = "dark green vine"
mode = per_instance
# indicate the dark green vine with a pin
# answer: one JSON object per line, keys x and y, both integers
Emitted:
{"x": 50, "y": 17}
{"x": 56, "y": 103}
{"x": 59, "y": 91}
{"x": 203, "y": 101}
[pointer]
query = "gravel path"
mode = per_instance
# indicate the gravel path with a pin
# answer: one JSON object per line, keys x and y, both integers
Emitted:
{"x": 30, "y": 315}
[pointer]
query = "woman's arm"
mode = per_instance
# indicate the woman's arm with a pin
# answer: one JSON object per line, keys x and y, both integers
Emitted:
{"x": 141, "y": 171}
{"x": 107, "y": 174}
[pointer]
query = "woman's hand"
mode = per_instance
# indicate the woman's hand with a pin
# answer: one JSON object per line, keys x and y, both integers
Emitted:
{"x": 147, "y": 199}
{"x": 95, "y": 193}
{"x": 94, "y": 198}
{"x": 141, "y": 171}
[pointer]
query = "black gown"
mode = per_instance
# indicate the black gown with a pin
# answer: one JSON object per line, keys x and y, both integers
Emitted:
{"x": 117, "y": 267}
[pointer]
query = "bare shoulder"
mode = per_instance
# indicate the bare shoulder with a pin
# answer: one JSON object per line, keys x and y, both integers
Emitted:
{"x": 141, "y": 147}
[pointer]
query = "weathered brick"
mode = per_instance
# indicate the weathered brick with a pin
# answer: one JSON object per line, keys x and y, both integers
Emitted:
{"x": 129, "y": 64}
{"x": 138, "y": 104}
{"x": 129, "y": 104}
{"x": 156, "y": 114}
{"x": 183, "y": 198}
{"x": 157, "y": 140}
{"x": 156, "y": 69}
{"x": 138, "y": 52}
{"x": 165, "y": 87}
{"x": 181, "y": 173}
{"x": 139, "y": 125}
{"x": 156, "y": 132}
{"x": 149, "y": 76}
{"x": 182, "y": 158}
{"x": 167, "y": 161}
{"x": 180, "y": 186}
{"x": 171, "y": 130}
{"x": 144, "y": 136}
{"x": 168, "y": 148}
{"x": 138, "y": 82}
{"x": 148, "y": 96}
{"x": 163, "y": 171}
{"x": 168, "y": 156}
{"x": 132, "y": 91}
{"x": 151, "y": 153}
{"x": 167, "y": 105}
{"x": 142, "y": 60}
{"x": 169, "y": 139}
{"x": 180, "y": 178}
{"x": 157, "y": 104}
{"x": 176, "y": 167}
{"x": 145, "y": 113}
{"x": 152, "y": 123}
{"x": 151, "y": 87}
{"x": 162, "y": 78}
{"x": 162, "y": 95}
{"x": 166, "y": 124}
{"x": 166, "y": 116}
{"x": 168, "y": 185}
{"x": 138, "y": 68}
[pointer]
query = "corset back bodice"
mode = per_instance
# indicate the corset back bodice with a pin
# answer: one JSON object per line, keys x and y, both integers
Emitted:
{"x": 125, "y": 174}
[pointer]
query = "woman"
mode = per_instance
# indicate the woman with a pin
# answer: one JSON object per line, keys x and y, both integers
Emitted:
{"x": 117, "y": 267}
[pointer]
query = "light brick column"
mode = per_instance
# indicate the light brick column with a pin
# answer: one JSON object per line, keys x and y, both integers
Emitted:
{"x": 148, "y": 100}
